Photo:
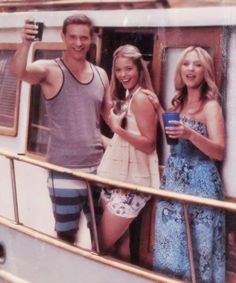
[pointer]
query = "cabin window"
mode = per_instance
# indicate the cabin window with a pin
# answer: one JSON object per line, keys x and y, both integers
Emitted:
{"x": 9, "y": 92}
{"x": 38, "y": 132}
{"x": 38, "y": 121}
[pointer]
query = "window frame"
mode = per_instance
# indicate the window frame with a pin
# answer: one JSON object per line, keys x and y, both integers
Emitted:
{"x": 51, "y": 46}
{"x": 12, "y": 131}
{"x": 39, "y": 46}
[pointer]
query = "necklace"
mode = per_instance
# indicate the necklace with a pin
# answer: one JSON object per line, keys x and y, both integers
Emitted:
{"x": 122, "y": 105}
{"x": 129, "y": 95}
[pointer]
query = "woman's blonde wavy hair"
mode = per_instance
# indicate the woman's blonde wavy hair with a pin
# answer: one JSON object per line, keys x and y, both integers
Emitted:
{"x": 209, "y": 89}
{"x": 133, "y": 53}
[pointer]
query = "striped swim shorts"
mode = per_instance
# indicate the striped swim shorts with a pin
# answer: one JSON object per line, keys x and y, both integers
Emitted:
{"x": 69, "y": 196}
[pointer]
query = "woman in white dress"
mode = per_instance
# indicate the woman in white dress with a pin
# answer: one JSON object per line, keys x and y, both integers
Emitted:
{"x": 131, "y": 154}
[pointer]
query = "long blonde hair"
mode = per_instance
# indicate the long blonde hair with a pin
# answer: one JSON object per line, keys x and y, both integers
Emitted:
{"x": 209, "y": 90}
{"x": 131, "y": 52}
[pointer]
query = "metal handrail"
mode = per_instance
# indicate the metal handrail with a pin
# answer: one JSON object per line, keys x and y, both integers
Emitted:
{"x": 183, "y": 198}
{"x": 14, "y": 191}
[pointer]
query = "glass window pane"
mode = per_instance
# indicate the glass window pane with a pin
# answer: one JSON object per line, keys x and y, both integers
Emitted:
{"x": 8, "y": 95}
{"x": 38, "y": 127}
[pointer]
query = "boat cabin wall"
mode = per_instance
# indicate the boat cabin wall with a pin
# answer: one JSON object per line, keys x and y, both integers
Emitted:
{"x": 162, "y": 33}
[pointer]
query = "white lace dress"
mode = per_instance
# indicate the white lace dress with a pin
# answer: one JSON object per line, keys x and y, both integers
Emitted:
{"x": 123, "y": 162}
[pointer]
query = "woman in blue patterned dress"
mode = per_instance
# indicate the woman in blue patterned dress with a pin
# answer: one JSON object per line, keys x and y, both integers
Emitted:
{"x": 191, "y": 169}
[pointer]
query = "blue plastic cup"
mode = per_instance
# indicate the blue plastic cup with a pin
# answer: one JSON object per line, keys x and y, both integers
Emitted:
{"x": 170, "y": 116}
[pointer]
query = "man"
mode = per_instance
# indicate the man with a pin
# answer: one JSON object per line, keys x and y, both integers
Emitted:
{"x": 76, "y": 93}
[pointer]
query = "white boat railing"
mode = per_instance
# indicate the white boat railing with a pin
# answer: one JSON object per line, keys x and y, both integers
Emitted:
{"x": 90, "y": 178}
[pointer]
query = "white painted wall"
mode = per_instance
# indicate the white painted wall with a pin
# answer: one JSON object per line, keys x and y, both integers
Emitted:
{"x": 6, "y": 203}
{"x": 229, "y": 169}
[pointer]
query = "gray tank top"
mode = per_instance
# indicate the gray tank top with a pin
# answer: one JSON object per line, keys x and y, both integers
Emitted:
{"x": 74, "y": 121}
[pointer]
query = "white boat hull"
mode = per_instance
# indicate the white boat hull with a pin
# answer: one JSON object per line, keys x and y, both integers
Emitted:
{"x": 36, "y": 258}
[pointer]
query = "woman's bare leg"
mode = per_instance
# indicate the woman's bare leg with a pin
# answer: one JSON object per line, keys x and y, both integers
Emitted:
{"x": 111, "y": 228}
{"x": 123, "y": 246}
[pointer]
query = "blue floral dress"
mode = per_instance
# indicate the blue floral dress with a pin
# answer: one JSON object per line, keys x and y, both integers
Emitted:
{"x": 190, "y": 171}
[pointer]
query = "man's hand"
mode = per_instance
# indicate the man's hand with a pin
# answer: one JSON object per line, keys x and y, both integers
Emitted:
{"x": 153, "y": 98}
{"x": 29, "y": 31}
